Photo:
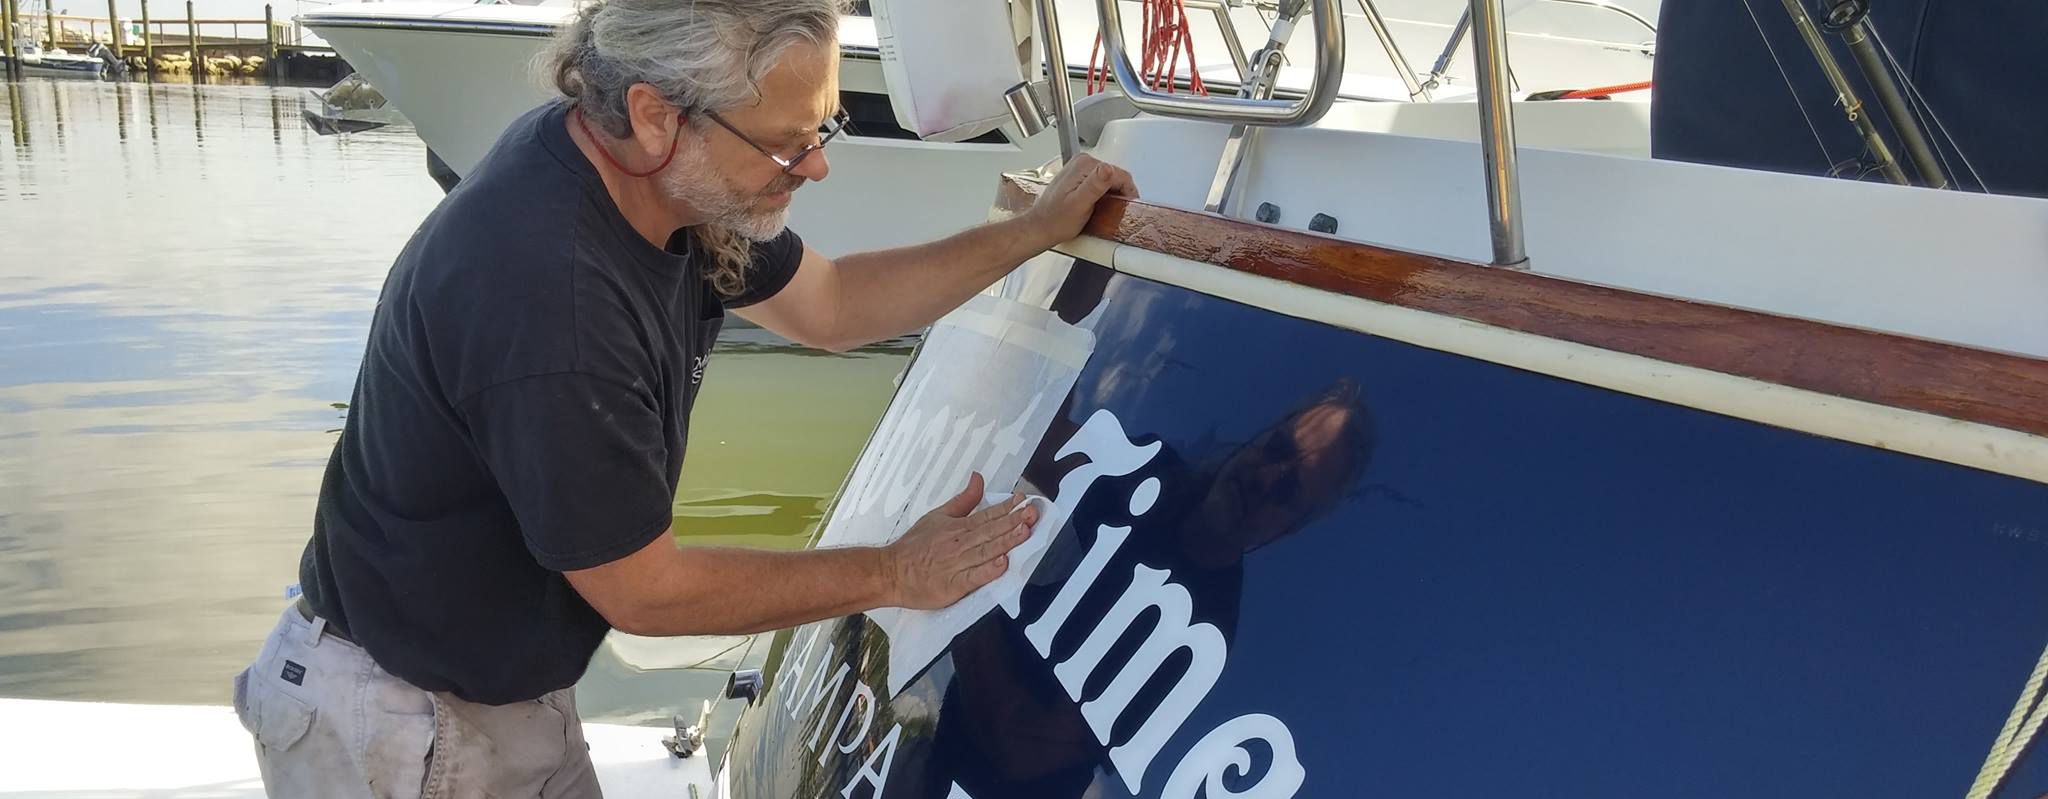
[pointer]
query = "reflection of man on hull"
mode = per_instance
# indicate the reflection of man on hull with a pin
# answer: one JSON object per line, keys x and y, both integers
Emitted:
{"x": 1009, "y": 727}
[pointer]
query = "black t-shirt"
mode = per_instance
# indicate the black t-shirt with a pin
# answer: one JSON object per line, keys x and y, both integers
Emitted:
{"x": 521, "y": 411}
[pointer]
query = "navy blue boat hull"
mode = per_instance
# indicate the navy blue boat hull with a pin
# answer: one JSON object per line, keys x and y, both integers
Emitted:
{"x": 1442, "y": 576}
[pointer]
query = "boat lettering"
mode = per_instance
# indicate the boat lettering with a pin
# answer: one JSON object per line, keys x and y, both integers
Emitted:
{"x": 919, "y": 449}
{"x": 1149, "y": 591}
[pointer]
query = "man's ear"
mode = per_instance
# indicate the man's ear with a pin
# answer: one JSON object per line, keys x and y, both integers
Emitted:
{"x": 653, "y": 118}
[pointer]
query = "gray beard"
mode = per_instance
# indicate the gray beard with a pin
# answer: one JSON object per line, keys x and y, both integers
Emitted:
{"x": 693, "y": 181}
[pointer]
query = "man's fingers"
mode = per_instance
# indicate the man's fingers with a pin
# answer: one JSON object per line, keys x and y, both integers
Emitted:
{"x": 1090, "y": 181}
{"x": 995, "y": 512}
{"x": 987, "y": 573}
{"x": 1078, "y": 186}
{"x": 999, "y": 544}
{"x": 963, "y": 503}
{"x": 1078, "y": 172}
{"x": 1120, "y": 182}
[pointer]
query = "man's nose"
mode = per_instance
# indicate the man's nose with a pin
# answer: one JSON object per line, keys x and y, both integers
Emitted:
{"x": 813, "y": 167}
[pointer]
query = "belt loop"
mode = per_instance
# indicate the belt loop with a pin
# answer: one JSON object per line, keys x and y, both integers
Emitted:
{"x": 313, "y": 637}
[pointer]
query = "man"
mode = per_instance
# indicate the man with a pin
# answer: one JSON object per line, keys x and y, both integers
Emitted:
{"x": 501, "y": 494}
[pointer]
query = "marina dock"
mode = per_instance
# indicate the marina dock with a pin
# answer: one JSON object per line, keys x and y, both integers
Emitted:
{"x": 179, "y": 43}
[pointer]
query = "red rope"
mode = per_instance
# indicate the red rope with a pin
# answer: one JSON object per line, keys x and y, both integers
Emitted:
{"x": 607, "y": 153}
{"x": 1603, "y": 91}
{"x": 1094, "y": 58}
{"x": 1170, "y": 45}
{"x": 1150, "y": 26}
{"x": 1187, "y": 39}
{"x": 1166, "y": 38}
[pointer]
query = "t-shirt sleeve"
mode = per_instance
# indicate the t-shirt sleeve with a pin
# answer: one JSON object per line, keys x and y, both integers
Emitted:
{"x": 581, "y": 460}
{"x": 775, "y": 263}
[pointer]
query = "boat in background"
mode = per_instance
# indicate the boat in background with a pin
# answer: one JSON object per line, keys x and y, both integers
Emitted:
{"x": 97, "y": 63}
{"x": 461, "y": 72}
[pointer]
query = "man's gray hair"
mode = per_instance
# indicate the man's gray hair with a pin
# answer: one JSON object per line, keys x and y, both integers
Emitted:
{"x": 699, "y": 54}
{"x": 702, "y": 55}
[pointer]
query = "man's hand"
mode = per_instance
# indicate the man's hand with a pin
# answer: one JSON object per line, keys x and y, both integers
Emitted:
{"x": 1061, "y": 212}
{"x": 954, "y": 549}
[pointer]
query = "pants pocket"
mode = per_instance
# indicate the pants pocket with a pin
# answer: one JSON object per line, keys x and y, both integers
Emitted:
{"x": 277, "y": 719}
{"x": 403, "y": 740}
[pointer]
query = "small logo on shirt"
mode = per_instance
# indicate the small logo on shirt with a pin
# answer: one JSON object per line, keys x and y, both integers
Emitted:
{"x": 697, "y": 369}
{"x": 294, "y": 673}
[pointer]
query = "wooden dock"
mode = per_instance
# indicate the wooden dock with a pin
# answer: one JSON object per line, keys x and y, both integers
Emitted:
{"x": 202, "y": 45}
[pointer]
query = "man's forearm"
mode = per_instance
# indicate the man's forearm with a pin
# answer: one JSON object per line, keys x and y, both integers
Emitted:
{"x": 665, "y": 590}
{"x": 888, "y": 293}
{"x": 728, "y": 591}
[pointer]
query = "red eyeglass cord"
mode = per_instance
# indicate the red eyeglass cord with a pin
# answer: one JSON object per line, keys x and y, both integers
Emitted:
{"x": 607, "y": 153}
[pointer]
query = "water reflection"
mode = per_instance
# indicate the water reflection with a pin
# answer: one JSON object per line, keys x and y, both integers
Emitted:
{"x": 16, "y": 116}
{"x": 173, "y": 334}
{"x": 178, "y": 314}
{"x": 121, "y": 110}
{"x": 198, "y": 115}
{"x": 57, "y": 117}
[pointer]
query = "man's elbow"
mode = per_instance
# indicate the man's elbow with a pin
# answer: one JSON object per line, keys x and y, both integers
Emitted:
{"x": 664, "y": 622}
{"x": 811, "y": 333}
{"x": 628, "y": 593}
{"x": 839, "y": 345}
{"x": 633, "y": 620}
{"x": 654, "y": 623}
{"x": 627, "y": 615}
{"x": 819, "y": 337}
{"x": 661, "y": 591}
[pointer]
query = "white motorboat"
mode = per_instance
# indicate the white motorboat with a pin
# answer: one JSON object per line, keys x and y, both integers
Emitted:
{"x": 460, "y": 72}
{"x": 61, "y": 63}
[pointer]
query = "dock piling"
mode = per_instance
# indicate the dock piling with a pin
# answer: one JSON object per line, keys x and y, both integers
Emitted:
{"x": 192, "y": 44}
{"x": 8, "y": 18}
{"x": 269, "y": 43}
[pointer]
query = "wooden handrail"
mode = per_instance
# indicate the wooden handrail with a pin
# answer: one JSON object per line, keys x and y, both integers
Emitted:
{"x": 1958, "y": 382}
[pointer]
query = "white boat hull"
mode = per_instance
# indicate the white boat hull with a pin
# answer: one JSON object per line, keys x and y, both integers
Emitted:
{"x": 461, "y": 89}
{"x": 461, "y": 73}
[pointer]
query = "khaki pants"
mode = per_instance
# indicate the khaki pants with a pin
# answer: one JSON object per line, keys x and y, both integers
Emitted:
{"x": 329, "y": 722}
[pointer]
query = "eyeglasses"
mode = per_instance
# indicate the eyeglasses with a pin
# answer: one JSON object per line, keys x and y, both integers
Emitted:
{"x": 825, "y": 135}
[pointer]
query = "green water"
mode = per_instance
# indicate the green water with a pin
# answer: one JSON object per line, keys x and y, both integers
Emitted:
{"x": 186, "y": 277}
